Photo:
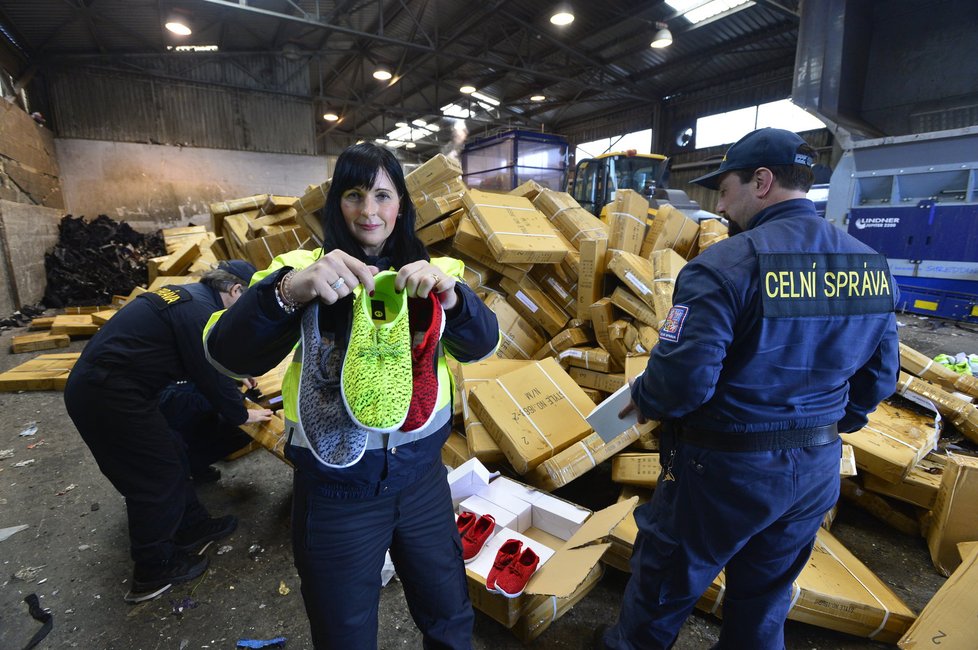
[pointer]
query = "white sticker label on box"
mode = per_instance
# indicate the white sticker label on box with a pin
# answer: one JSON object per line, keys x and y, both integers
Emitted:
{"x": 638, "y": 283}
{"x": 577, "y": 354}
{"x": 523, "y": 298}
{"x": 556, "y": 287}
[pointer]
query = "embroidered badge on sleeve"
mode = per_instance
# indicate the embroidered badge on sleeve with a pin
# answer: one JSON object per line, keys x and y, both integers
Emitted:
{"x": 672, "y": 326}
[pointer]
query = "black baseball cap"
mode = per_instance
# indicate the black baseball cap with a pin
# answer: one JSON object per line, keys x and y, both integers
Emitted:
{"x": 765, "y": 147}
{"x": 238, "y": 268}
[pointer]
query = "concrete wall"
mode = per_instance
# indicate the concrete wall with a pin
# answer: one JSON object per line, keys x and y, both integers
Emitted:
{"x": 31, "y": 205}
{"x": 156, "y": 186}
{"x": 26, "y": 233}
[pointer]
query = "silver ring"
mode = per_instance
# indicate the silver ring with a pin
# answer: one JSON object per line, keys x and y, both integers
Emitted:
{"x": 336, "y": 285}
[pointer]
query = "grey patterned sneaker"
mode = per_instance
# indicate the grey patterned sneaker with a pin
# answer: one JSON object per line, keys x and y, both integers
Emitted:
{"x": 336, "y": 440}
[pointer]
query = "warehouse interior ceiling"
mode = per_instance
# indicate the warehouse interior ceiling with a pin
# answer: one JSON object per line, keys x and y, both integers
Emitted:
{"x": 527, "y": 72}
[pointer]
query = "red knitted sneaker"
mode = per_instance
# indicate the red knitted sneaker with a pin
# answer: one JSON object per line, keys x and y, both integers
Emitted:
{"x": 512, "y": 580}
{"x": 474, "y": 539}
{"x": 465, "y": 521}
{"x": 508, "y": 552}
{"x": 427, "y": 320}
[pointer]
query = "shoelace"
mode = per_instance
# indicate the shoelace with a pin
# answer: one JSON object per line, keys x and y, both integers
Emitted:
{"x": 381, "y": 349}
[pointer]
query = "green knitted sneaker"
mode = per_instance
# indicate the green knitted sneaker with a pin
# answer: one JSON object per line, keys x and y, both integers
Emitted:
{"x": 377, "y": 376}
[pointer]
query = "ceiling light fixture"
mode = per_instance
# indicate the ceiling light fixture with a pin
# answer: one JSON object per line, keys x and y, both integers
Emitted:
{"x": 382, "y": 74}
{"x": 178, "y": 25}
{"x": 467, "y": 90}
{"x": 331, "y": 117}
{"x": 562, "y": 16}
{"x": 419, "y": 122}
{"x": 663, "y": 37}
{"x": 537, "y": 98}
{"x": 410, "y": 145}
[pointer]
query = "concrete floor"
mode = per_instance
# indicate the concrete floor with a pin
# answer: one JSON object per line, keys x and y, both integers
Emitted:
{"x": 77, "y": 543}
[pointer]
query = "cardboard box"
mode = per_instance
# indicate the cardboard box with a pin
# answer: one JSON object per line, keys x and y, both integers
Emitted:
{"x": 926, "y": 368}
{"x": 641, "y": 470}
{"x": 440, "y": 230}
{"x": 435, "y": 208}
{"x": 605, "y": 382}
{"x": 528, "y": 189}
{"x": 270, "y": 435}
{"x": 627, "y": 216}
{"x": 570, "y": 337}
{"x": 597, "y": 359}
{"x": 634, "y": 306}
{"x": 602, "y": 316}
{"x": 948, "y": 619}
{"x": 439, "y": 189}
{"x": 590, "y": 282}
{"x": 74, "y": 325}
{"x": 434, "y": 170}
{"x": 562, "y": 292}
{"x": 455, "y": 451}
{"x": 533, "y": 413}
{"x": 514, "y": 230}
{"x": 480, "y": 444}
{"x": 38, "y": 341}
{"x": 530, "y": 301}
{"x": 893, "y": 442}
{"x": 564, "y": 535}
{"x": 573, "y": 221}
{"x": 221, "y": 209}
{"x": 519, "y": 339}
{"x": 43, "y": 372}
{"x": 918, "y": 488}
{"x": 622, "y": 337}
{"x": 580, "y": 458}
{"x": 678, "y": 232}
{"x": 636, "y": 272}
{"x": 962, "y": 413}
{"x": 712, "y": 231}
{"x": 955, "y": 512}
{"x": 262, "y": 251}
{"x": 666, "y": 265}
{"x": 896, "y": 515}
{"x": 469, "y": 241}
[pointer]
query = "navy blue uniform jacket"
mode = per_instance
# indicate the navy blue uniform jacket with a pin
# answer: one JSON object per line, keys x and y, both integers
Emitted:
{"x": 787, "y": 325}
{"x": 155, "y": 341}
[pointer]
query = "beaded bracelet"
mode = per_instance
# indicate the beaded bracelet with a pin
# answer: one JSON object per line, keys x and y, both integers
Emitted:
{"x": 288, "y": 305}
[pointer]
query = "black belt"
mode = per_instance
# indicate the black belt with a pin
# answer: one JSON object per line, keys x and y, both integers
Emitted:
{"x": 760, "y": 440}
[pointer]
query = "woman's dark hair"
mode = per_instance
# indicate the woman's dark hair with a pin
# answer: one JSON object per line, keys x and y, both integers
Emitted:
{"x": 358, "y": 166}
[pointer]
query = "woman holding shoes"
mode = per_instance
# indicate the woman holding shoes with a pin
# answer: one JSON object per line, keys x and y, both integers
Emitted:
{"x": 368, "y": 403}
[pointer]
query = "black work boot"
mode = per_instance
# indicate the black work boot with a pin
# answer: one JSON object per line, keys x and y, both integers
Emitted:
{"x": 152, "y": 580}
{"x": 196, "y": 538}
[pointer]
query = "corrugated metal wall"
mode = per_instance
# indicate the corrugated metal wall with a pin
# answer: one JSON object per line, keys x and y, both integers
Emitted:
{"x": 266, "y": 109}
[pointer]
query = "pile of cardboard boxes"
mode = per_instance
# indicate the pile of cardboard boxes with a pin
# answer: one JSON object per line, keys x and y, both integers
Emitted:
{"x": 579, "y": 302}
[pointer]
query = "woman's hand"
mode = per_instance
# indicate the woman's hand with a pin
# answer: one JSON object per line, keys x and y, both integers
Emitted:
{"x": 330, "y": 278}
{"x": 421, "y": 278}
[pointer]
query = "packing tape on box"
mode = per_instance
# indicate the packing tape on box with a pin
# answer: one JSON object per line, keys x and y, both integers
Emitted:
{"x": 795, "y": 595}
{"x": 886, "y": 612}
{"x": 521, "y": 234}
{"x": 588, "y": 230}
{"x": 527, "y": 416}
{"x": 573, "y": 405}
{"x": 679, "y": 233}
{"x": 893, "y": 438}
{"x": 629, "y": 215}
{"x": 504, "y": 207}
{"x": 720, "y": 595}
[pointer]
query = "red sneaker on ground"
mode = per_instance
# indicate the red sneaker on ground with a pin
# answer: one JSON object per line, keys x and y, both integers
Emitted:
{"x": 474, "y": 539}
{"x": 509, "y": 551}
{"x": 512, "y": 580}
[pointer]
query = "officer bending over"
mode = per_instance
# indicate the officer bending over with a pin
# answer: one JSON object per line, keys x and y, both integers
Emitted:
{"x": 112, "y": 397}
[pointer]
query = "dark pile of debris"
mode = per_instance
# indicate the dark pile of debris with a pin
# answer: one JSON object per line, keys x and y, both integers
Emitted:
{"x": 95, "y": 260}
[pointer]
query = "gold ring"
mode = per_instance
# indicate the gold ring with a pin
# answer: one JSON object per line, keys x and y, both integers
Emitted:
{"x": 436, "y": 278}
